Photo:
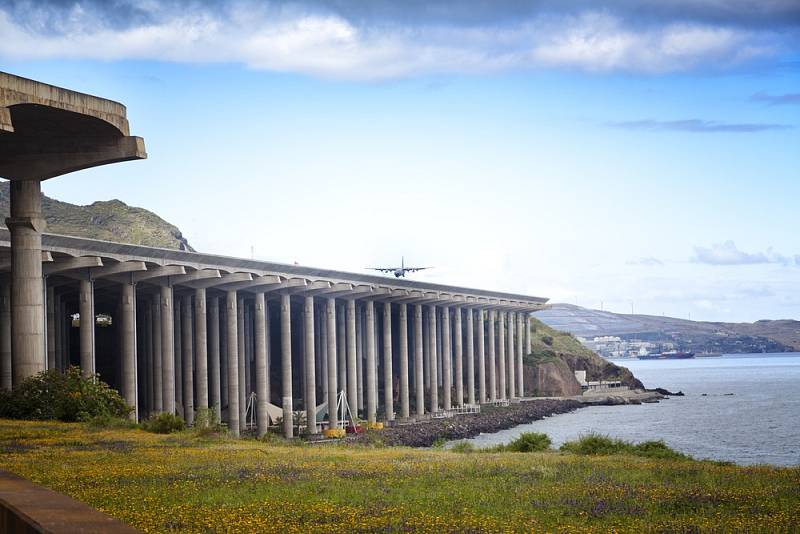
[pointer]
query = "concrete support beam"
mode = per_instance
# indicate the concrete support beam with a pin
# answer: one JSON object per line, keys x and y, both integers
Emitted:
{"x": 286, "y": 364}
{"x": 87, "y": 325}
{"x": 526, "y": 348}
{"x": 167, "y": 349}
{"x": 459, "y": 356}
{"x": 434, "y": 381}
{"x": 470, "y": 357}
{"x": 201, "y": 347}
{"x": 388, "y": 390}
{"x": 309, "y": 368}
{"x": 341, "y": 348}
{"x": 188, "y": 357}
{"x": 447, "y": 358}
{"x": 492, "y": 364}
{"x": 518, "y": 361}
{"x": 360, "y": 355}
{"x": 128, "y": 347}
{"x": 262, "y": 367}
{"x": 371, "y": 395}
{"x": 402, "y": 331}
{"x": 240, "y": 357}
{"x": 481, "y": 357}
{"x": 158, "y": 369}
{"x": 512, "y": 351}
{"x": 352, "y": 355}
{"x": 232, "y": 335}
{"x": 51, "y": 327}
{"x": 501, "y": 354}
{"x": 178, "y": 348}
{"x": 419, "y": 378}
{"x": 215, "y": 386}
{"x": 333, "y": 389}
{"x": 71, "y": 264}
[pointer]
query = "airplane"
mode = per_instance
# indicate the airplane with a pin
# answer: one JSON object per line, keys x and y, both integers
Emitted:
{"x": 398, "y": 272}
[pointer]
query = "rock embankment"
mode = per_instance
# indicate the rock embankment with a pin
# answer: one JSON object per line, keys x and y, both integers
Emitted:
{"x": 491, "y": 419}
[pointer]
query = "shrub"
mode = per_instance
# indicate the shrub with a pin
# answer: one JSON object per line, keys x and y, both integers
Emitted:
{"x": 102, "y": 422}
{"x": 164, "y": 423}
{"x": 207, "y": 423}
{"x": 463, "y": 446}
{"x": 438, "y": 443}
{"x": 64, "y": 396}
{"x": 596, "y": 444}
{"x": 530, "y": 442}
{"x": 656, "y": 449}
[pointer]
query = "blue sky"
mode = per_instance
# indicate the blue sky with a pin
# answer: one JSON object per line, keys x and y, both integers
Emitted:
{"x": 624, "y": 152}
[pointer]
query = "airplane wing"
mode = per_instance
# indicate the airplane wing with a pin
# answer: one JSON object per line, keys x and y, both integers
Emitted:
{"x": 415, "y": 269}
{"x": 383, "y": 269}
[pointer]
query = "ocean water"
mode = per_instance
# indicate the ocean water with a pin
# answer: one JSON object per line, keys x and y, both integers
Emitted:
{"x": 742, "y": 408}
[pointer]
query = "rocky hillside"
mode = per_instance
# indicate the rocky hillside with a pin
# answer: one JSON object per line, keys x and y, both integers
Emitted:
{"x": 555, "y": 356}
{"x": 110, "y": 220}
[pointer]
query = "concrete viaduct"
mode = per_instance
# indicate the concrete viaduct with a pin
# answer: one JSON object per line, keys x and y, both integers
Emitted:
{"x": 190, "y": 330}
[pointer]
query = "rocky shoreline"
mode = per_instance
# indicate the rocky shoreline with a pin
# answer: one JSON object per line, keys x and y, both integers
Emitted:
{"x": 491, "y": 419}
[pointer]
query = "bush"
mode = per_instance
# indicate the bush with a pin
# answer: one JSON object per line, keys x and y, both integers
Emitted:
{"x": 164, "y": 423}
{"x": 68, "y": 396}
{"x": 463, "y": 446}
{"x": 596, "y": 444}
{"x": 207, "y": 423}
{"x": 530, "y": 442}
{"x": 106, "y": 422}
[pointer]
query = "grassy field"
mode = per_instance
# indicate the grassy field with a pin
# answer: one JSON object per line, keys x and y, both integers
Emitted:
{"x": 185, "y": 483}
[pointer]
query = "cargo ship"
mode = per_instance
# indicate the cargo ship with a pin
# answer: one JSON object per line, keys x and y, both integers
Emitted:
{"x": 671, "y": 355}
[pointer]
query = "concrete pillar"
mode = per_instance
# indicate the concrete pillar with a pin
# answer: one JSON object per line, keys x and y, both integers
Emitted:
{"x": 188, "y": 356}
{"x": 359, "y": 359}
{"x": 148, "y": 356}
{"x": 512, "y": 350}
{"x": 492, "y": 364}
{"x": 128, "y": 347}
{"x": 223, "y": 353}
{"x": 201, "y": 348}
{"x": 388, "y": 389}
{"x": 232, "y": 351}
{"x": 239, "y": 356}
{"x": 167, "y": 350}
{"x": 333, "y": 387}
{"x": 341, "y": 348}
{"x": 426, "y": 353}
{"x": 419, "y": 378}
{"x": 58, "y": 320}
{"x": 51, "y": 328}
{"x": 248, "y": 350}
{"x": 371, "y": 395}
{"x": 214, "y": 385}
{"x": 26, "y": 225}
{"x": 447, "y": 358}
{"x": 459, "y": 357}
{"x": 309, "y": 368}
{"x": 501, "y": 354}
{"x": 352, "y": 355}
{"x": 323, "y": 350}
{"x": 268, "y": 342}
{"x": 262, "y": 369}
{"x": 432, "y": 351}
{"x": 286, "y": 365}
{"x": 6, "y": 371}
{"x": 178, "y": 348}
{"x": 158, "y": 369}
{"x": 87, "y": 322}
{"x": 470, "y": 357}
{"x": 402, "y": 331}
{"x": 520, "y": 365}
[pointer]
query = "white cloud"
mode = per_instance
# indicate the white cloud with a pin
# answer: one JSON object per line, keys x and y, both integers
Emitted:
{"x": 727, "y": 254}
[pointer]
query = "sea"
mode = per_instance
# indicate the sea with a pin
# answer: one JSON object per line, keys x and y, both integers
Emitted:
{"x": 743, "y": 408}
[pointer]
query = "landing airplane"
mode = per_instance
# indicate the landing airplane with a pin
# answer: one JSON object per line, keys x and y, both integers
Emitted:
{"x": 398, "y": 272}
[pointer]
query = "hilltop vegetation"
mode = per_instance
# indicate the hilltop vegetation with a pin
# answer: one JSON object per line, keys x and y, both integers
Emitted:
{"x": 109, "y": 220}
{"x": 185, "y": 483}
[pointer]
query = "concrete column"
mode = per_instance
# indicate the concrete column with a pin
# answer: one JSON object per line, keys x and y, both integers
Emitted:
{"x": 201, "y": 348}
{"x": 128, "y": 346}
{"x": 341, "y": 348}
{"x": 512, "y": 350}
{"x": 223, "y": 353}
{"x": 178, "y": 348}
{"x": 6, "y": 371}
{"x": 459, "y": 357}
{"x": 388, "y": 389}
{"x": 492, "y": 364}
{"x": 447, "y": 358}
{"x": 148, "y": 352}
{"x": 359, "y": 359}
{"x": 323, "y": 350}
{"x": 232, "y": 351}
{"x": 86, "y": 311}
{"x": 470, "y": 357}
{"x": 239, "y": 356}
{"x": 526, "y": 349}
{"x": 419, "y": 378}
{"x": 188, "y": 356}
{"x": 268, "y": 342}
{"x": 402, "y": 331}
{"x": 501, "y": 354}
{"x": 426, "y": 353}
{"x": 248, "y": 350}
{"x": 158, "y": 368}
{"x": 520, "y": 336}
{"x": 167, "y": 350}
{"x": 333, "y": 388}
{"x": 51, "y": 328}
{"x": 352, "y": 355}
{"x": 310, "y": 370}
{"x": 262, "y": 376}
{"x": 26, "y": 225}
{"x": 214, "y": 390}
{"x": 432, "y": 351}
{"x": 59, "y": 325}
{"x": 286, "y": 365}
{"x": 371, "y": 396}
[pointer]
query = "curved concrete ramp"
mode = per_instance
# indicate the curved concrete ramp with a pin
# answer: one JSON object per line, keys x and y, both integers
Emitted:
{"x": 26, "y": 508}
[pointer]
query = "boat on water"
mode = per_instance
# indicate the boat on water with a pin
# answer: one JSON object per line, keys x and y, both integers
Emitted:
{"x": 669, "y": 355}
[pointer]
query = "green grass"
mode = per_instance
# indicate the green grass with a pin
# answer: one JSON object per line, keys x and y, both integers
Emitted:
{"x": 189, "y": 483}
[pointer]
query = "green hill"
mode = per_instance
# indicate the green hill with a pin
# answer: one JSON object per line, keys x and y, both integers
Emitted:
{"x": 110, "y": 220}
